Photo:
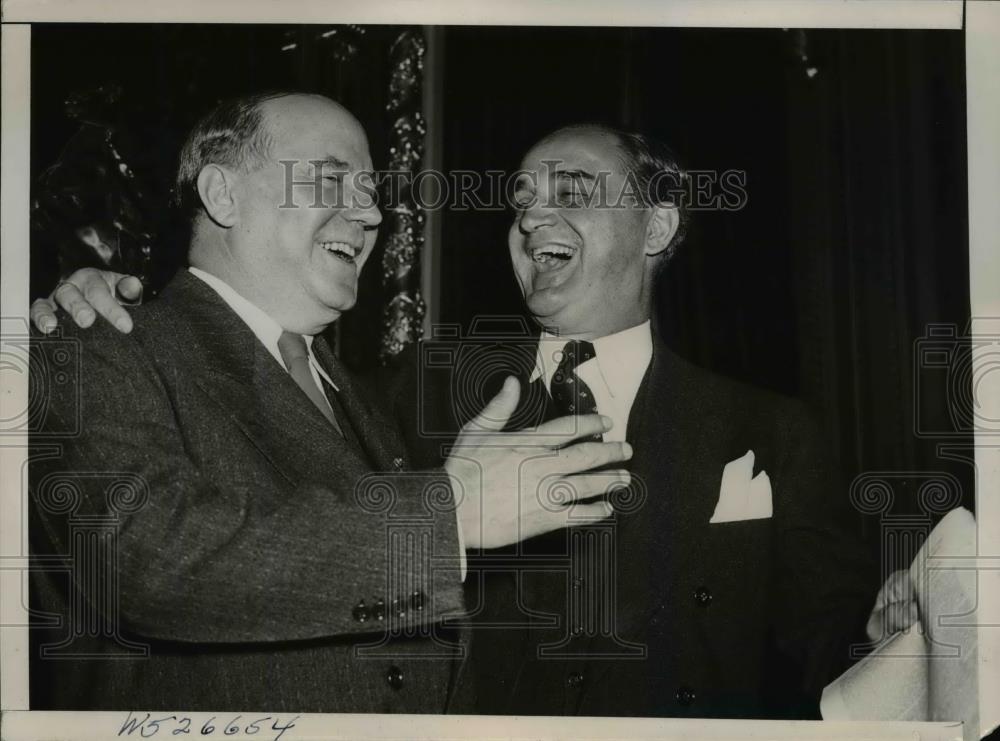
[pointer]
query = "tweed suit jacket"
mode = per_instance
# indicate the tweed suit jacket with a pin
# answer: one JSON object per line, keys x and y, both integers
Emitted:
{"x": 255, "y": 558}
{"x": 657, "y": 612}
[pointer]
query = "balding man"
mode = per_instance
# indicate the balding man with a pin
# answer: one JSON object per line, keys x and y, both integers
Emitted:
{"x": 272, "y": 551}
{"x": 728, "y": 583}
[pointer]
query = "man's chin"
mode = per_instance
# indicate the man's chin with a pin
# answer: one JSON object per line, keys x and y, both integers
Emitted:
{"x": 340, "y": 307}
{"x": 546, "y": 309}
{"x": 340, "y": 296}
{"x": 325, "y": 314}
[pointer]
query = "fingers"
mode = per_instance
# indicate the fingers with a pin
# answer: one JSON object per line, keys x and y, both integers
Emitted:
{"x": 495, "y": 414}
{"x": 69, "y": 297}
{"x": 130, "y": 289}
{"x": 587, "y": 485}
{"x": 43, "y": 315}
{"x": 89, "y": 293}
{"x": 874, "y": 627}
{"x": 900, "y": 616}
{"x": 585, "y": 456}
{"x": 553, "y": 434}
{"x": 899, "y": 586}
{"x": 578, "y": 514}
{"x": 892, "y": 618}
{"x": 103, "y": 302}
{"x": 895, "y": 588}
{"x": 562, "y": 431}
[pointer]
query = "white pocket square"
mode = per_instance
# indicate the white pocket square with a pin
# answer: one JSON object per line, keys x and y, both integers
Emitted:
{"x": 742, "y": 495}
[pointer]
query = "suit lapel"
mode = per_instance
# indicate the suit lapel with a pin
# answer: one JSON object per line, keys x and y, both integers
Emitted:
{"x": 671, "y": 470}
{"x": 228, "y": 362}
{"x": 518, "y": 360}
{"x": 286, "y": 406}
{"x": 376, "y": 434}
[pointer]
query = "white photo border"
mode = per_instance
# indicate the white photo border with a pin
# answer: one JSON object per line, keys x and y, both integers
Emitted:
{"x": 982, "y": 27}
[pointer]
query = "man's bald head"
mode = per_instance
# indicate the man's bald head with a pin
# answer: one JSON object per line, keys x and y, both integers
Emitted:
{"x": 236, "y": 133}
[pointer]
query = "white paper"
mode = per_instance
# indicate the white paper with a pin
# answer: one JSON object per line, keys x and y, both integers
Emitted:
{"x": 928, "y": 673}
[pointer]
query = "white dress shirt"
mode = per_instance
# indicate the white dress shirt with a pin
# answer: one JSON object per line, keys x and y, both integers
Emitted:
{"x": 614, "y": 374}
{"x": 263, "y": 326}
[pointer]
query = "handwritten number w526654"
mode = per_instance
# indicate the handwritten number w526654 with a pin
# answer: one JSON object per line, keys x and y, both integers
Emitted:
{"x": 148, "y": 726}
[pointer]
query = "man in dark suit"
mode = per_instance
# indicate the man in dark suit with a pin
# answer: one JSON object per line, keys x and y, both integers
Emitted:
{"x": 727, "y": 582}
{"x": 221, "y": 519}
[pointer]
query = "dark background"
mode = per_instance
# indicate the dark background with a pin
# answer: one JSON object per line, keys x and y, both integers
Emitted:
{"x": 853, "y": 241}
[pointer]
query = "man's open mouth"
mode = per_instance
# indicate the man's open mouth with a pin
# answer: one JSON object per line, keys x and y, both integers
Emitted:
{"x": 341, "y": 250}
{"x": 551, "y": 256}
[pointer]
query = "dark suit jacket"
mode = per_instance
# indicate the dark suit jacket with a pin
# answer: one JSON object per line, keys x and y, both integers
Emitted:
{"x": 741, "y": 619}
{"x": 240, "y": 541}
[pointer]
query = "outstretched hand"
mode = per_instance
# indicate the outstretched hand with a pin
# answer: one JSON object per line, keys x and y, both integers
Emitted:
{"x": 510, "y": 486}
{"x": 87, "y": 294}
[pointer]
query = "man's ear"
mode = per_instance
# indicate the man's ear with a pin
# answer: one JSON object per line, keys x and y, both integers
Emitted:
{"x": 662, "y": 227}
{"x": 216, "y": 188}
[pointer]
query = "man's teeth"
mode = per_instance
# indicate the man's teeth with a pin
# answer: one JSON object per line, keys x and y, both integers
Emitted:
{"x": 552, "y": 253}
{"x": 341, "y": 249}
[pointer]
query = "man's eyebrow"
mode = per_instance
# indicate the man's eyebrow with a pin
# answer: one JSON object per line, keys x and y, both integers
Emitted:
{"x": 332, "y": 159}
{"x": 576, "y": 175}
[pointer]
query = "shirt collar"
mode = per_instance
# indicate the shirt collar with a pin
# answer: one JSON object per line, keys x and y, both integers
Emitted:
{"x": 266, "y": 329}
{"x": 316, "y": 365}
{"x": 621, "y": 357}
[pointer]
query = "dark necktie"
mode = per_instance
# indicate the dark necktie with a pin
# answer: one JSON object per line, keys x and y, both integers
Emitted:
{"x": 296, "y": 357}
{"x": 570, "y": 395}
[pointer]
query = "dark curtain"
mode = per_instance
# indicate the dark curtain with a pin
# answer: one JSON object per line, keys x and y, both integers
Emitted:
{"x": 879, "y": 220}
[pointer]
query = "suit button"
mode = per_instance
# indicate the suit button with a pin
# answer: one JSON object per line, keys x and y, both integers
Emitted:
{"x": 394, "y": 677}
{"x": 378, "y": 610}
{"x": 360, "y": 612}
{"x": 685, "y": 696}
{"x": 574, "y": 680}
{"x": 397, "y": 463}
{"x": 417, "y": 600}
{"x": 703, "y": 596}
{"x": 398, "y": 608}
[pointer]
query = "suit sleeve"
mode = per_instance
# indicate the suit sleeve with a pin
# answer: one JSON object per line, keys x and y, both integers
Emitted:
{"x": 246, "y": 559}
{"x": 826, "y": 581}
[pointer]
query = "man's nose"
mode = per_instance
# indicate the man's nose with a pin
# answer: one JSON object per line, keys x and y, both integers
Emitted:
{"x": 536, "y": 216}
{"x": 364, "y": 209}
{"x": 370, "y": 216}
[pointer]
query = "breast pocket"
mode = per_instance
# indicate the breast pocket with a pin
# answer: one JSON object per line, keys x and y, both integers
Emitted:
{"x": 736, "y": 550}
